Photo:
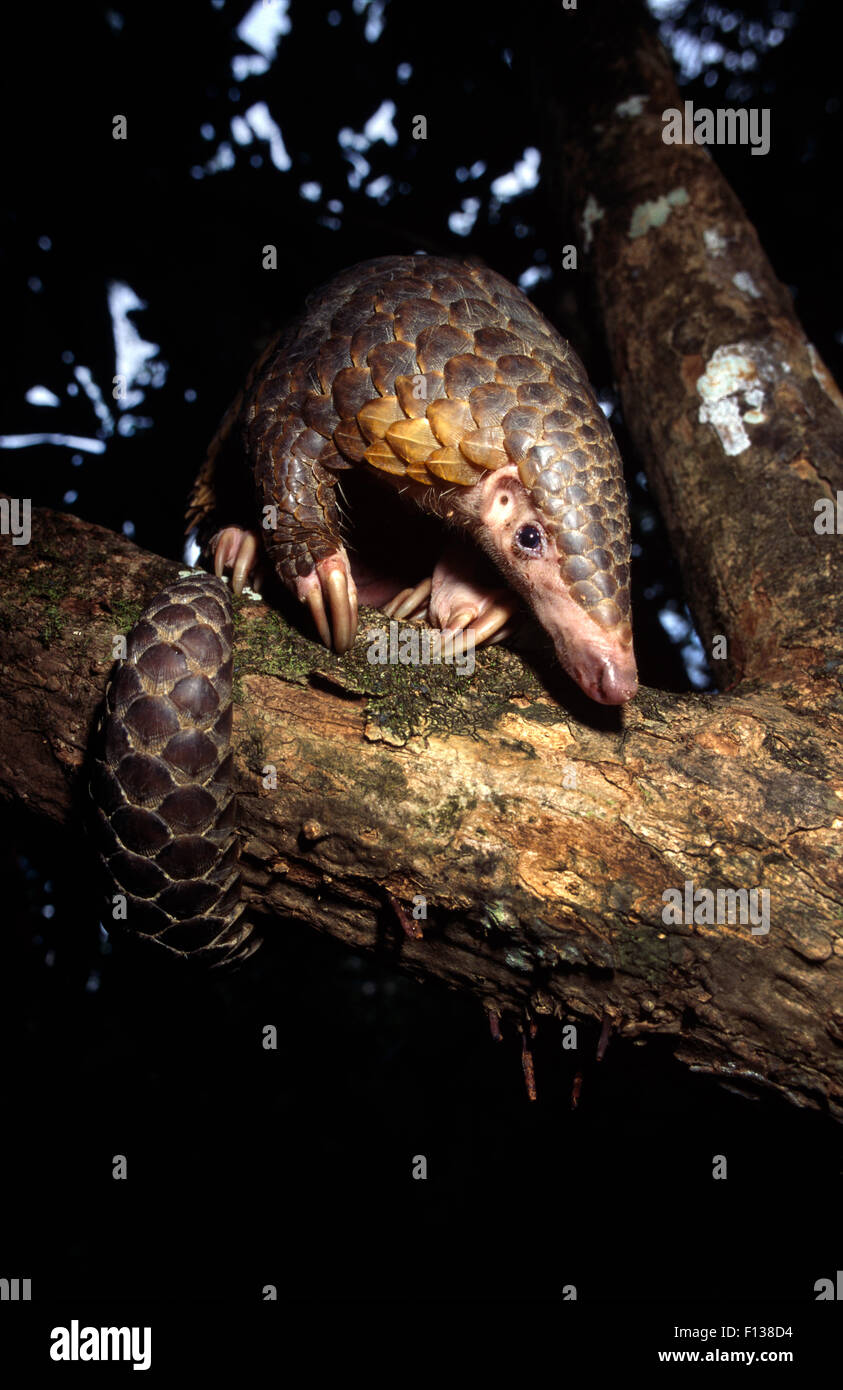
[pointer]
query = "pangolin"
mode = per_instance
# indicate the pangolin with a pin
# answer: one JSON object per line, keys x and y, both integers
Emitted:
{"x": 441, "y": 379}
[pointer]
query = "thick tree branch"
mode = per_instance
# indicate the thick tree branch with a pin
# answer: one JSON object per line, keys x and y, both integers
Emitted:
{"x": 542, "y": 844}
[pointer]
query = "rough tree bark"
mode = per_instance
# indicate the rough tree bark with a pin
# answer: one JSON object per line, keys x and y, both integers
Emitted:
{"x": 544, "y": 840}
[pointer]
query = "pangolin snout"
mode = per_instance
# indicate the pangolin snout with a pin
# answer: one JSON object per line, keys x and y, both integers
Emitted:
{"x": 608, "y": 678}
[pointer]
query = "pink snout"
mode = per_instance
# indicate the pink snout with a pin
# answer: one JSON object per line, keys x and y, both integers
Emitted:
{"x": 610, "y": 678}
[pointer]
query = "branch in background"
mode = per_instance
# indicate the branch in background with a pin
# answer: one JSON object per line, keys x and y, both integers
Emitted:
{"x": 735, "y": 417}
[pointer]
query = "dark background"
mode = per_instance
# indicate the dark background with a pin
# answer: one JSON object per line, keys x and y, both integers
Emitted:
{"x": 292, "y": 1167}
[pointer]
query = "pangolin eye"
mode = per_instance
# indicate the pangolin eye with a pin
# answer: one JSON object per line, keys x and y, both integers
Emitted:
{"x": 529, "y": 538}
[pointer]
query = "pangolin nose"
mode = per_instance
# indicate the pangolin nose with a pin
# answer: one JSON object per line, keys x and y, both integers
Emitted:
{"x": 614, "y": 682}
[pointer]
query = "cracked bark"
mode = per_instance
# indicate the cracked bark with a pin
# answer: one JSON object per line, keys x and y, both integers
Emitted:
{"x": 543, "y": 834}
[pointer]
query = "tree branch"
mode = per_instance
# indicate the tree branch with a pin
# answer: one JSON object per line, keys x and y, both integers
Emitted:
{"x": 542, "y": 844}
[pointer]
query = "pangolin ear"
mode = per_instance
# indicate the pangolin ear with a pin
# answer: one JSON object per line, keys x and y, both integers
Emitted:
{"x": 496, "y": 480}
{"x": 493, "y": 487}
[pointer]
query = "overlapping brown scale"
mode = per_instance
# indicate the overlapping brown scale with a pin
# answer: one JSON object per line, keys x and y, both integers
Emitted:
{"x": 333, "y": 356}
{"x": 384, "y": 458}
{"x": 518, "y": 444}
{"x": 139, "y": 830}
{"x": 376, "y": 416}
{"x": 226, "y": 863}
{"x": 449, "y": 465}
{"x": 116, "y": 743}
{"x": 148, "y": 921}
{"x": 513, "y": 368}
{"x": 450, "y": 420}
{"x": 189, "y": 809}
{"x": 464, "y": 372}
{"x": 577, "y": 567}
{"x": 200, "y": 642}
{"x": 172, "y": 618}
{"x": 195, "y": 698}
{"x": 414, "y": 315}
{"x": 125, "y": 688}
{"x": 161, "y": 665}
{"x": 320, "y": 414}
{"x": 145, "y": 780}
{"x": 350, "y": 440}
{"x": 107, "y": 791}
{"x": 142, "y": 635}
{"x": 187, "y": 857}
{"x": 412, "y": 440}
{"x": 359, "y": 308}
{"x": 388, "y": 361}
{"x": 524, "y": 418}
{"x": 494, "y": 342}
{"x": 151, "y": 722}
{"x": 166, "y": 819}
{"x": 417, "y": 391}
{"x": 485, "y": 447}
{"x": 544, "y": 354}
{"x": 272, "y": 391}
{"x": 308, "y": 445}
{"x": 418, "y": 473}
{"x": 435, "y": 347}
{"x": 330, "y": 457}
{"x": 303, "y": 377}
{"x": 446, "y": 288}
{"x": 473, "y": 314}
{"x": 490, "y": 402}
{"x": 378, "y": 329}
{"x": 537, "y": 393}
{"x": 399, "y": 288}
{"x": 529, "y": 329}
{"x": 352, "y": 389}
{"x": 187, "y": 899}
{"x": 137, "y": 875}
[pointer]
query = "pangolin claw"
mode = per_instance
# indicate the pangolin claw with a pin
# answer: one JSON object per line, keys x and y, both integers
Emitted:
{"x": 336, "y": 623}
{"x": 237, "y": 550}
{"x": 246, "y": 561}
{"x": 343, "y": 617}
{"x": 313, "y": 599}
{"x": 409, "y": 603}
{"x": 489, "y": 624}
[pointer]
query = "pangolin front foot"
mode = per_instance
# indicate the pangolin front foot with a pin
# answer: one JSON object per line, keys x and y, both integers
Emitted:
{"x": 460, "y": 601}
{"x": 453, "y": 603}
{"x": 331, "y": 595}
{"x": 238, "y": 551}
